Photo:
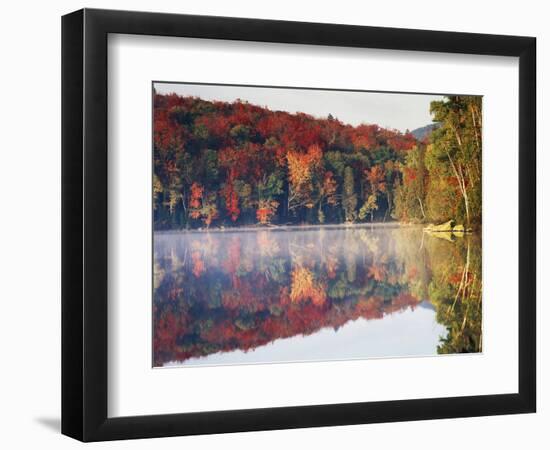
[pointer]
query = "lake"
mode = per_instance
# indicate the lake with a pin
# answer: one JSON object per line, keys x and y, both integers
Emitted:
{"x": 314, "y": 294}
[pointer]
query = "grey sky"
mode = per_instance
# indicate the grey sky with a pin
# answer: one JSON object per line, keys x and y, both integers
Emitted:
{"x": 399, "y": 111}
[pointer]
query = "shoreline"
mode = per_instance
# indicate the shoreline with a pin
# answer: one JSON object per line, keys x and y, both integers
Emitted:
{"x": 283, "y": 228}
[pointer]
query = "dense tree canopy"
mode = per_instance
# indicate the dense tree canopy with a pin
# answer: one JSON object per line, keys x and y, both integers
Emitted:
{"x": 228, "y": 164}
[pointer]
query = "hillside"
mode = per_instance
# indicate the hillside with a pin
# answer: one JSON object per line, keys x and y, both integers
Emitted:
{"x": 236, "y": 164}
{"x": 423, "y": 132}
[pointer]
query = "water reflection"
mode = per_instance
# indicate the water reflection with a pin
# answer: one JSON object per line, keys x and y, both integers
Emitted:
{"x": 389, "y": 291}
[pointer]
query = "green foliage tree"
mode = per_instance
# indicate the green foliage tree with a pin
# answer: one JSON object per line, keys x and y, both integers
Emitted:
{"x": 456, "y": 149}
{"x": 442, "y": 181}
{"x": 349, "y": 198}
{"x": 411, "y": 193}
{"x": 368, "y": 207}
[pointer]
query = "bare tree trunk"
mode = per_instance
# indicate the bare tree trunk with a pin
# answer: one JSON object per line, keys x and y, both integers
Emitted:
{"x": 463, "y": 280}
{"x": 458, "y": 139}
{"x": 320, "y": 209}
{"x": 421, "y": 207}
{"x": 390, "y": 205}
{"x": 183, "y": 204}
{"x": 462, "y": 184}
{"x": 288, "y": 200}
{"x": 475, "y": 126}
{"x": 465, "y": 195}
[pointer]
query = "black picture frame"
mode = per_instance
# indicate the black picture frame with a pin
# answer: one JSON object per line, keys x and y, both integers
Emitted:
{"x": 84, "y": 224}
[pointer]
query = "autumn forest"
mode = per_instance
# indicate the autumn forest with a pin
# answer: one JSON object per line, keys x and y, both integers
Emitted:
{"x": 286, "y": 236}
{"x": 221, "y": 164}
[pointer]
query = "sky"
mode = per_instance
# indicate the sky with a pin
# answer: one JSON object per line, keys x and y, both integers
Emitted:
{"x": 398, "y": 111}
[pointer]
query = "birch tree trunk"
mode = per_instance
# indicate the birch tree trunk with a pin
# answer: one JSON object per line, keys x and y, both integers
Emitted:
{"x": 462, "y": 185}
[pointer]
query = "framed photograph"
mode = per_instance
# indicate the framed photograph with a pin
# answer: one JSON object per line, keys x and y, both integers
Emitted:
{"x": 273, "y": 224}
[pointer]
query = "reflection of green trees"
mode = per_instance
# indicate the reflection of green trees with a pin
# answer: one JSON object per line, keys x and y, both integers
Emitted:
{"x": 224, "y": 291}
{"x": 455, "y": 289}
{"x": 446, "y": 270}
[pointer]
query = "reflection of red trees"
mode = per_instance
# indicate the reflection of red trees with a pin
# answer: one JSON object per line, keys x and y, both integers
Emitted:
{"x": 377, "y": 272}
{"x": 401, "y": 301}
{"x": 304, "y": 287}
{"x": 167, "y": 328}
{"x": 233, "y": 260}
{"x": 238, "y": 291}
{"x": 371, "y": 307}
{"x": 251, "y": 319}
{"x": 269, "y": 285}
{"x": 412, "y": 273}
{"x": 331, "y": 266}
{"x": 243, "y": 297}
{"x": 198, "y": 263}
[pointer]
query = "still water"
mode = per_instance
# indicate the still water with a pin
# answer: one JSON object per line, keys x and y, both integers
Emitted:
{"x": 281, "y": 295}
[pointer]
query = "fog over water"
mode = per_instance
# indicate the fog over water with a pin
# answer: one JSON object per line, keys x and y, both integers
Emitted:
{"x": 328, "y": 293}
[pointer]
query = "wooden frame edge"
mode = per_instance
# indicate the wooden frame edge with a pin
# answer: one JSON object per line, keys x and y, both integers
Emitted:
{"x": 84, "y": 225}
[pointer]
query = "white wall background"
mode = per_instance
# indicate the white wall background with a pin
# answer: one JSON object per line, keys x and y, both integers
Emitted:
{"x": 30, "y": 192}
